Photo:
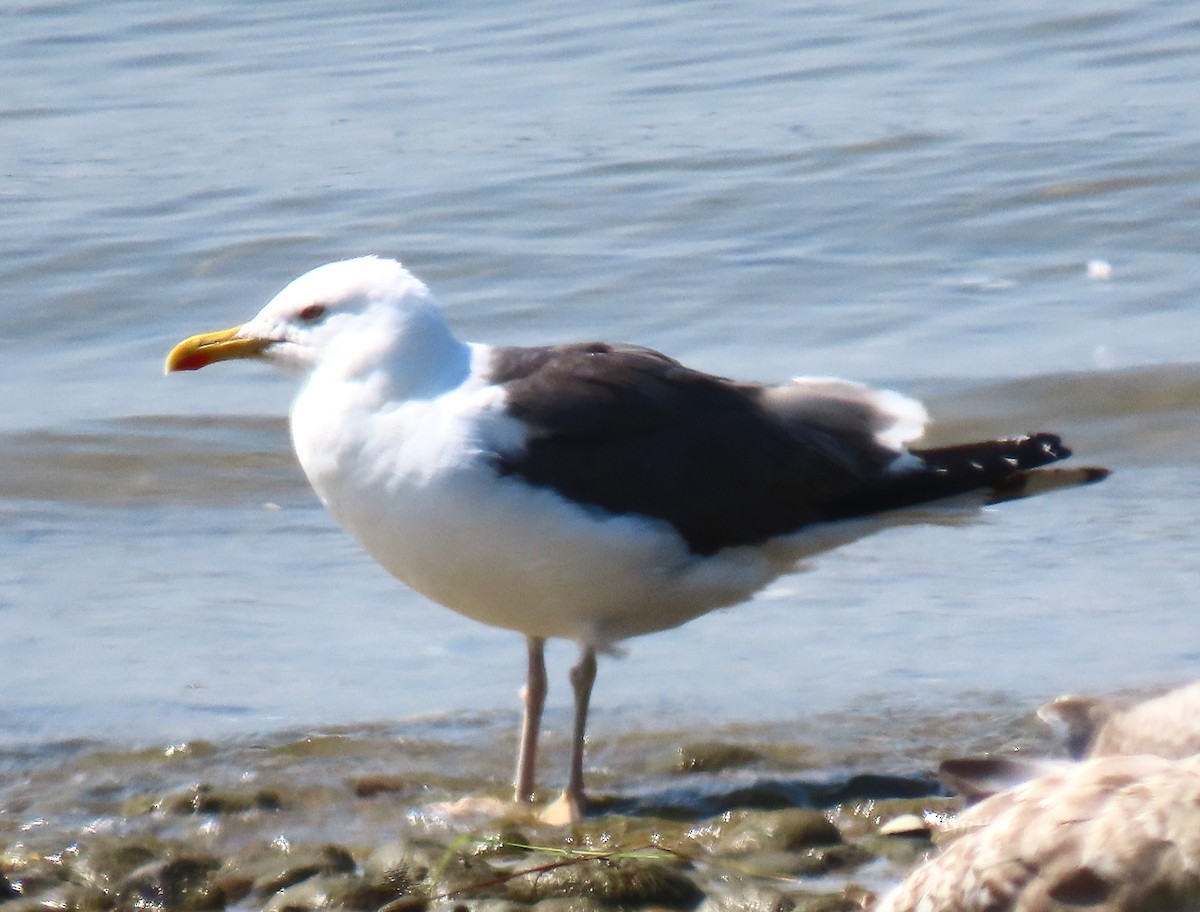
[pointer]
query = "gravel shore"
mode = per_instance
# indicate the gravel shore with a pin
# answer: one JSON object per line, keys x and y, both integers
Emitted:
{"x": 395, "y": 818}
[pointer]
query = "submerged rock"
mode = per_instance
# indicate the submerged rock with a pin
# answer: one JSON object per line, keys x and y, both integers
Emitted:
{"x": 204, "y": 798}
{"x": 335, "y": 891}
{"x": 28, "y": 874}
{"x": 746, "y": 894}
{"x": 714, "y": 757}
{"x": 848, "y": 901}
{"x": 68, "y": 897}
{"x": 791, "y": 830}
{"x": 395, "y": 861}
{"x": 103, "y": 872}
{"x": 382, "y": 784}
{"x": 610, "y": 881}
{"x": 276, "y": 868}
{"x": 750, "y": 897}
{"x": 104, "y": 861}
{"x": 183, "y": 883}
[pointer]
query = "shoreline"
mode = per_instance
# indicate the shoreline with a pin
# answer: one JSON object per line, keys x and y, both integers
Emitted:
{"x": 817, "y": 815}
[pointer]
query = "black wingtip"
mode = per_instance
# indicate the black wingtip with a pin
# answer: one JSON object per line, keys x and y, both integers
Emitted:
{"x": 1040, "y": 449}
{"x": 1004, "y": 469}
{"x": 986, "y": 462}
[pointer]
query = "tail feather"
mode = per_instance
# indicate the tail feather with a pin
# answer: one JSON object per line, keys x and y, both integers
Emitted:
{"x": 1005, "y": 469}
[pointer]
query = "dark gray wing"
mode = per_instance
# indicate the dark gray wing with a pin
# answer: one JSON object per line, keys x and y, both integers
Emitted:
{"x": 631, "y": 431}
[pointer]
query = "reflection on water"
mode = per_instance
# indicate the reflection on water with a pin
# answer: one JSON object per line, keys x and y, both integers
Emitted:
{"x": 159, "y": 460}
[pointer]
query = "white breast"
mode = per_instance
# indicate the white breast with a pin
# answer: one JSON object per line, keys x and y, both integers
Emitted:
{"x": 413, "y": 483}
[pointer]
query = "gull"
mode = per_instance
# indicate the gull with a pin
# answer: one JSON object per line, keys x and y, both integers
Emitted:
{"x": 592, "y": 491}
{"x": 1167, "y": 725}
{"x": 1116, "y": 833}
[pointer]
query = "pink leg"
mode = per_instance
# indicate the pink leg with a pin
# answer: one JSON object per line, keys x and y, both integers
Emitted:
{"x": 533, "y": 694}
{"x": 583, "y": 676}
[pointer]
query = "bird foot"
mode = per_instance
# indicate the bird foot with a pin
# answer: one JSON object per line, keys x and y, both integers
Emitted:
{"x": 476, "y": 806}
{"x": 563, "y": 811}
{"x": 566, "y": 810}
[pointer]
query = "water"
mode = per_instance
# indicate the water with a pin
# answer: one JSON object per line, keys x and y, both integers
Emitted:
{"x": 901, "y": 193}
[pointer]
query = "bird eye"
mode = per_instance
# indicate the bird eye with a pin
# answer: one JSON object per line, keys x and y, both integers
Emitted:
{"x": 312, "y": 313}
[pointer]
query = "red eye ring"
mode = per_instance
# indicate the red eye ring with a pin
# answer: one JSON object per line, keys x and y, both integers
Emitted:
{"x": 312, "y": 312}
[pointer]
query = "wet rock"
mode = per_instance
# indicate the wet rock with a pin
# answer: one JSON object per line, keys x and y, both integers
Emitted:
{"x": 332, "y": 891}
{"x": 137, "y": 805}
{"x": 203, "y": 798}
{"x": 819, "y": 860}
{"x": 278, "y": 867}
{"x": 791, "y": 830}
{"x": 570, "y": 904}
{"x": 904, "y": 839}
{"x": 877, "y": 787}
{"x": 395, "y": 861}
{"x": 120, "y": 761}
{"x": 413, "y": 902}
{"x": 812, "y": 862}
{"x": 901, "y": 851}
{"x": 64, "y": 897}
{"x": 714, "y": 757}
{"x": 371, "y": 786}
{"x": 603, "y": 834}
{"x": 484, "y": 905}
{"x": 749, "y": 897}
{"x": 862, "y": 818}
{"x": 769, "y": 794}
{"x": 183, "y": 883}
{"x": 507, "y": 842}
{"x": 905, "y": 825}
{"x": 745, "y": 895}
{"x": 30, "y": 875}
{"x": 103, "y": 862}
{"x": 851, "y": 901}
{"x": 609, "y": 881}
{"x": 404, "y": 881}
{"x": 234, "y": 886}
{"x": 465, "y": 876}
{"x": 431, "y": 869}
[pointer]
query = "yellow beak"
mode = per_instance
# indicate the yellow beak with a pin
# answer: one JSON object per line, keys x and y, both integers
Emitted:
{"x": 199, "y": 351}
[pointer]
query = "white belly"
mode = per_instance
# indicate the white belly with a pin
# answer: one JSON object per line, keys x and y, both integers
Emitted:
{"x": 513, "y": 556}
{"x": 413, "y": 485}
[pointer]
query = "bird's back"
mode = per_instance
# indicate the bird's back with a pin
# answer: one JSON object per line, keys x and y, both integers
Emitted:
{"x": 631, "y": 431}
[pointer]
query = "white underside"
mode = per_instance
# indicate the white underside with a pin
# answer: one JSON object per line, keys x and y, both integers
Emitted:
{"x": 410, "y": 481}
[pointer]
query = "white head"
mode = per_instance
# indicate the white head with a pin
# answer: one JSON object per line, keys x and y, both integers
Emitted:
{"x": 347, "y": 318}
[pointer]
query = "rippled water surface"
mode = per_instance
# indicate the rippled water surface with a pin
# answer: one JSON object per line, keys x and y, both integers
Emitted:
{"x": 996, "y": 209}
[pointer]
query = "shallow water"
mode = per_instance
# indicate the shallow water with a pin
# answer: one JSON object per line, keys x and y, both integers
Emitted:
{"x": 908, "y": 195}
